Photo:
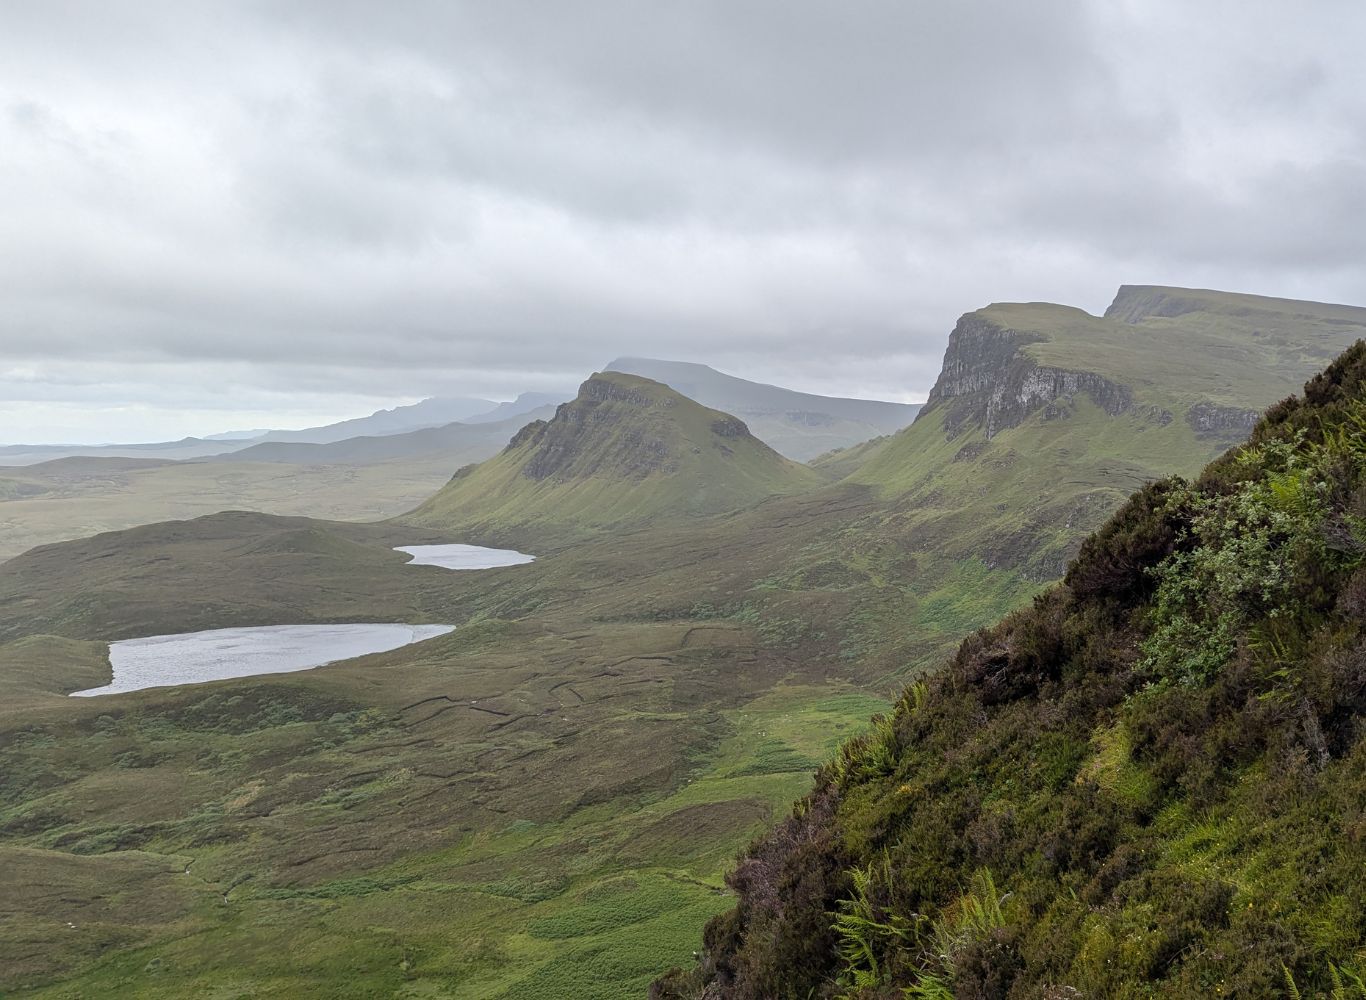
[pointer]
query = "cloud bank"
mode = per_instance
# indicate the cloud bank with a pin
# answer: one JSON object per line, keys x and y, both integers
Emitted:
{"x": 246, "y": 214}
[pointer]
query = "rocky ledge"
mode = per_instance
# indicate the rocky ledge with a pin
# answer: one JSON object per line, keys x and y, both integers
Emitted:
{"x": 988, "y": 381}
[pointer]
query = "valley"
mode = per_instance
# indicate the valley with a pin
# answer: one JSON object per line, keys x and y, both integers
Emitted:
{"x": 545, "y": 801}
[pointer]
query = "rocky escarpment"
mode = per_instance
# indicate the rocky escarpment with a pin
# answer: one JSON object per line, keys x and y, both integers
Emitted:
{"x": 988, "y": 381}
{"x": 1231, "y": 422}
{"x": 602, "y": 411}
{"x": 625, "y": 450}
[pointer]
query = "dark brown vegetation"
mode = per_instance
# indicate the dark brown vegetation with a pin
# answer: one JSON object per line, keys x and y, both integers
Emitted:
{"x": 1150, "y": 783}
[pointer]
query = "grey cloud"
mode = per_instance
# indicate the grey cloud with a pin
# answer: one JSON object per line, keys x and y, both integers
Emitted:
{"x": 350, "y": 202}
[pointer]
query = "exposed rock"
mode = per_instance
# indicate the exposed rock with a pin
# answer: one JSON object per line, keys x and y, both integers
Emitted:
{"x": 970, "y": 451}
{"x": 603, "y": 390}
{"x": 729, "y": 427}
{"x": 598, "y": 432}
{"x": 1209, "y": 420}
{"x": 989, "y": 382}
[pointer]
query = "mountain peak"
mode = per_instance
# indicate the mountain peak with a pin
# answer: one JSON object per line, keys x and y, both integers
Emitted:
{"x": 800, "y": 425}
{"x": 625, "y": 450}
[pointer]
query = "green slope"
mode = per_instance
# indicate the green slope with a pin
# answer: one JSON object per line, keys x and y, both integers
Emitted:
{"x": 625, "y": 452}
{"x": 1045, "y": 417}
{"x": 1149, "y": 784}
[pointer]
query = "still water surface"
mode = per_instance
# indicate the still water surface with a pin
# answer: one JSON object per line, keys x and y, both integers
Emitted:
{"x": 221, "y": 653}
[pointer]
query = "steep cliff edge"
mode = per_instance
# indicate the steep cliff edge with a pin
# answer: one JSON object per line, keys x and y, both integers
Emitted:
{"x": 1044, "y": 417}
{"x": 988, "y": 380}
{"x": 1148, "y": 784}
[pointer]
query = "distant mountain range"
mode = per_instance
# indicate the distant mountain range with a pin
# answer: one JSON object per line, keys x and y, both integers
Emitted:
{"x": 435, "y": 412}
{"x": 800, "y": 425}
{"x": 461, "y": 443}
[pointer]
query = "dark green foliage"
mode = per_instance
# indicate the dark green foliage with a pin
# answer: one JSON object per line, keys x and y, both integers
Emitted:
{"x": 1148, "y": 784}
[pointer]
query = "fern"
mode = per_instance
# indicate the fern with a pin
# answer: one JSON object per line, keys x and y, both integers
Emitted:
{"x": 1347, "y": 985}
{"x": 866, "y": 932}
{"x": 929, "y": 987}
{"x": 1291, "y": 990}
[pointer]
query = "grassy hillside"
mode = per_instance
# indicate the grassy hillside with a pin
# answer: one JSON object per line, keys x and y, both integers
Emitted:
{"x": 1148, "y": 784}
{"x": 539, "y": 805}
{"x": 842, "y": 463}
{"x": 625, "y": 452}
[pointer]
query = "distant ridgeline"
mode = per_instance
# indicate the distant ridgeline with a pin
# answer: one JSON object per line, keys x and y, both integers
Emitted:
{"x": 1150, "y": 783}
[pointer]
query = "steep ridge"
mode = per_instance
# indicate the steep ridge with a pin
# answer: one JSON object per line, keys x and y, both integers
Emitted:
{"x": 624, "y": 452}
{"x": 1074, "y": 412}
{"x": 800, "y": 425}
{"x": 1147, "y": 784}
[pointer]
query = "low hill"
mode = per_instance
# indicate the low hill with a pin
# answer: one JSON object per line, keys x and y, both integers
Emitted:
{"x": 185, "y": 448}
{"x": 1147, "y": 784}
{"x": 842, "y": 463}
{"x": 625, "y": 451}
{"x": 458, "y": 443}
{"x": 800, "y": 425}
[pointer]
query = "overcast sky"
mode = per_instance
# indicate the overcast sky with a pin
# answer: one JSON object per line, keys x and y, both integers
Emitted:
{"x": 227, "y": 215}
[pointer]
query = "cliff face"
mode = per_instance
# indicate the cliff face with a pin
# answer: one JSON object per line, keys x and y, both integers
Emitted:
{"x": 573, "y": 438}
{"x": 1231, "y": 422}
{"x": 987, "y": 381}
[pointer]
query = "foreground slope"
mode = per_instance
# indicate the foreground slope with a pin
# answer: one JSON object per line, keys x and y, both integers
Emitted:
{"x": 800, "y": 425}
{"x": 625, "y": 452}
{"x": 1148, "y": 784}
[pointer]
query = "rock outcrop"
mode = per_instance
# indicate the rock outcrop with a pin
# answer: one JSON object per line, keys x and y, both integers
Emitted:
{"x": 1231, "y": 422}
{"x": 988, "y": 381}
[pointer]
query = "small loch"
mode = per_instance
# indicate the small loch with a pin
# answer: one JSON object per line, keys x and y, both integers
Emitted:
{"x": 224, "y": 653}
{"x": 463, "y": 556}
